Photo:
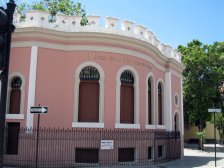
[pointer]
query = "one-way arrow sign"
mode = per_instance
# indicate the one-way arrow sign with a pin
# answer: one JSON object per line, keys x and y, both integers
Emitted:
{"x": 214, "y": 110}
{"x": 38, "y": 109}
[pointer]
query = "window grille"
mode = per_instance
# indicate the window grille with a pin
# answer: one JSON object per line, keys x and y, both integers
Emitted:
{"x": 127, "y": 77}
{"x": 149, "y": 85}
{"x": 160, "y": 88}
{"x": 89, "y": 73}
{"x": 16, "y": 82}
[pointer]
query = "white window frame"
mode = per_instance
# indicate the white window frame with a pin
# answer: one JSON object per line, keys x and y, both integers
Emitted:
{"x": 176, "y": 113}
{"x": 178, "y": 99}
{"x": 136, "y": 124}
{"x": 163, "y": 126}
{"x": 75, "y": 122}
{"x": 150, "y": 126}
{"x": 19, "y": 116}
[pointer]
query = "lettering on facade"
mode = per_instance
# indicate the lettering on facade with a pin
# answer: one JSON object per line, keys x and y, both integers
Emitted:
{"x": 119, "y": 59}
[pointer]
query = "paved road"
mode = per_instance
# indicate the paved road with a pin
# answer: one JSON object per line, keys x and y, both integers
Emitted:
{"x": 194, "y": 158}
{"x": 197, "y": 158}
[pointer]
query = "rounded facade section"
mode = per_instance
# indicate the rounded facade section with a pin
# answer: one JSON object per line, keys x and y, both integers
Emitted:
{"x": 98, "y": 80}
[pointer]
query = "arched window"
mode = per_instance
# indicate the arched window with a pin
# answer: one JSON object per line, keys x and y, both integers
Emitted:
{"x": 127, "y": 98}
{"x": 150, "y": 116}
{"x": 15, "y": 95}
{"x": 176, "y": 123}
{"x": 176, "y": 100}
{"x": 160, "y": 104}
{"x": 88, "y": 108}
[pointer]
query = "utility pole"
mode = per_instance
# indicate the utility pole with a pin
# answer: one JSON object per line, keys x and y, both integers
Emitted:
{"x": 6, "y": 29}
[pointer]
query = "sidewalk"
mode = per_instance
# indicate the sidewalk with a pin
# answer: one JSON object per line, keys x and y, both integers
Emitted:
{"x": 194, "y": 158}
{"x": 197, "y": 158}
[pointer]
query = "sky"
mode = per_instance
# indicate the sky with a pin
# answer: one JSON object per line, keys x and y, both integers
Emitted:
{"x": 174, "y": 22}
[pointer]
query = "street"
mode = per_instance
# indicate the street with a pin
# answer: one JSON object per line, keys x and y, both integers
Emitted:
{"x": 197, "y": 158}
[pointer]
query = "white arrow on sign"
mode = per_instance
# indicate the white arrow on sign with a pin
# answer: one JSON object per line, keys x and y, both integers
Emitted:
{"x": 214, "y": 110}
{"x": 43, "y": 109}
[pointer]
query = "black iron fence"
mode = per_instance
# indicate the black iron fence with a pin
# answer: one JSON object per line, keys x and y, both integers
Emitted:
{"x": 93, "y": 147}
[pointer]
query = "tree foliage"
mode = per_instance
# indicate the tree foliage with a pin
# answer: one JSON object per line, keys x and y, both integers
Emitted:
{"x": 219, "y": 124}
{"x": 67, "y": 7}
{"x": 203, "y": 73}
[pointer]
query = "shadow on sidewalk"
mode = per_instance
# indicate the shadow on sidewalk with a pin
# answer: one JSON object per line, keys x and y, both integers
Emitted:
{"x": 190, "y": 161}
{"x": 198, "y": 158}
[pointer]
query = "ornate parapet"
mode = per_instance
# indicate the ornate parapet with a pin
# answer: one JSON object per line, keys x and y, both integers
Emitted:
{"x": 72, "y": 24}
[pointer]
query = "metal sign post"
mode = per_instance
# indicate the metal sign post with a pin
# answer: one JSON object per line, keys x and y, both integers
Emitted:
{"x": 38, "y": 110}
{"x": 37, "y": 144}
{"x": 214, "y": 111}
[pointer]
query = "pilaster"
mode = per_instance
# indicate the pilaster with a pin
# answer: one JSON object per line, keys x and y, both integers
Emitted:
{"x": 168, "y": 101}
{"x": 32, "y": 86}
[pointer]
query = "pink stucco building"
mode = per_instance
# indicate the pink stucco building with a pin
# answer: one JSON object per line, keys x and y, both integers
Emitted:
{"x": 112, "y": 76}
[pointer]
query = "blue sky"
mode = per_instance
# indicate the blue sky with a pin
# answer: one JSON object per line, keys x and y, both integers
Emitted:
{"x": 174, "y": 22}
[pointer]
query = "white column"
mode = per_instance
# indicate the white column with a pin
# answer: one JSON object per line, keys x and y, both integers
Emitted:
{"x": 32, "y": 86}
{"x": 182, "y": 108}
{"x": 168, "y": 101}
{"x": 182, "y": 118}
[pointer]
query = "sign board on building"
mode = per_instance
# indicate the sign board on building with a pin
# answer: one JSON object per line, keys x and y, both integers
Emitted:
{"x": 214, "y": 110}
{"x": 106, "y": 144}
{"x": 38, "y": 109}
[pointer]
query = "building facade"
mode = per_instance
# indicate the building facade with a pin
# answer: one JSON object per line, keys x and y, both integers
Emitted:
{"x": 117, "y": 76}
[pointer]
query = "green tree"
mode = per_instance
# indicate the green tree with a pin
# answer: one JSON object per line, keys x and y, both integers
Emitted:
{"x": 220, "y": 125}
{"x": 203, "y": 73}
{"x": 218, "y": 49}
{"x": 54, "y": 7}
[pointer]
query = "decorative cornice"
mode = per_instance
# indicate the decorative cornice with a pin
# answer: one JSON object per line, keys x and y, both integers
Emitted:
{"x": 71, "y": 24}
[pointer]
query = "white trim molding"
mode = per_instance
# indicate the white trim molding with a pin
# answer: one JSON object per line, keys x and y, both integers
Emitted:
{"x": 127, "y": 126}
{"x": 168, "y": 101}
{"x": 151, "y": 77}
{"x": 181, "y": 116}
{"x": 87, "y": 125}
{"x": 136, "y": 98}
{"x": 76, "y": 96}
{"x": 161, "y": 127}
{"x": 32, "y": 85}
{"x": 15, "y": 116}
{"x": 22, "y": 100}
{"x": 150, "y": 126}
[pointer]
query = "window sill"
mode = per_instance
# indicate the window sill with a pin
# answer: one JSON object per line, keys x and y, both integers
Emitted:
{"x": 127, "y": 126}
{"x": 15, "y": 116}
{"x": 161, "y": 127}
{"x": 87, "y": 125}
{"x": 150, "y": 126}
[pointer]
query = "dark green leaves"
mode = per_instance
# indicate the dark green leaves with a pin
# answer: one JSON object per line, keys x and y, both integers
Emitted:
{"x": 203, "y": 73}
{"x": 67, "y": 7}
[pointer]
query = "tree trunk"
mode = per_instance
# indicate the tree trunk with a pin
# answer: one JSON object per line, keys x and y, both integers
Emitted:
{"x": 201, "y": 138}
